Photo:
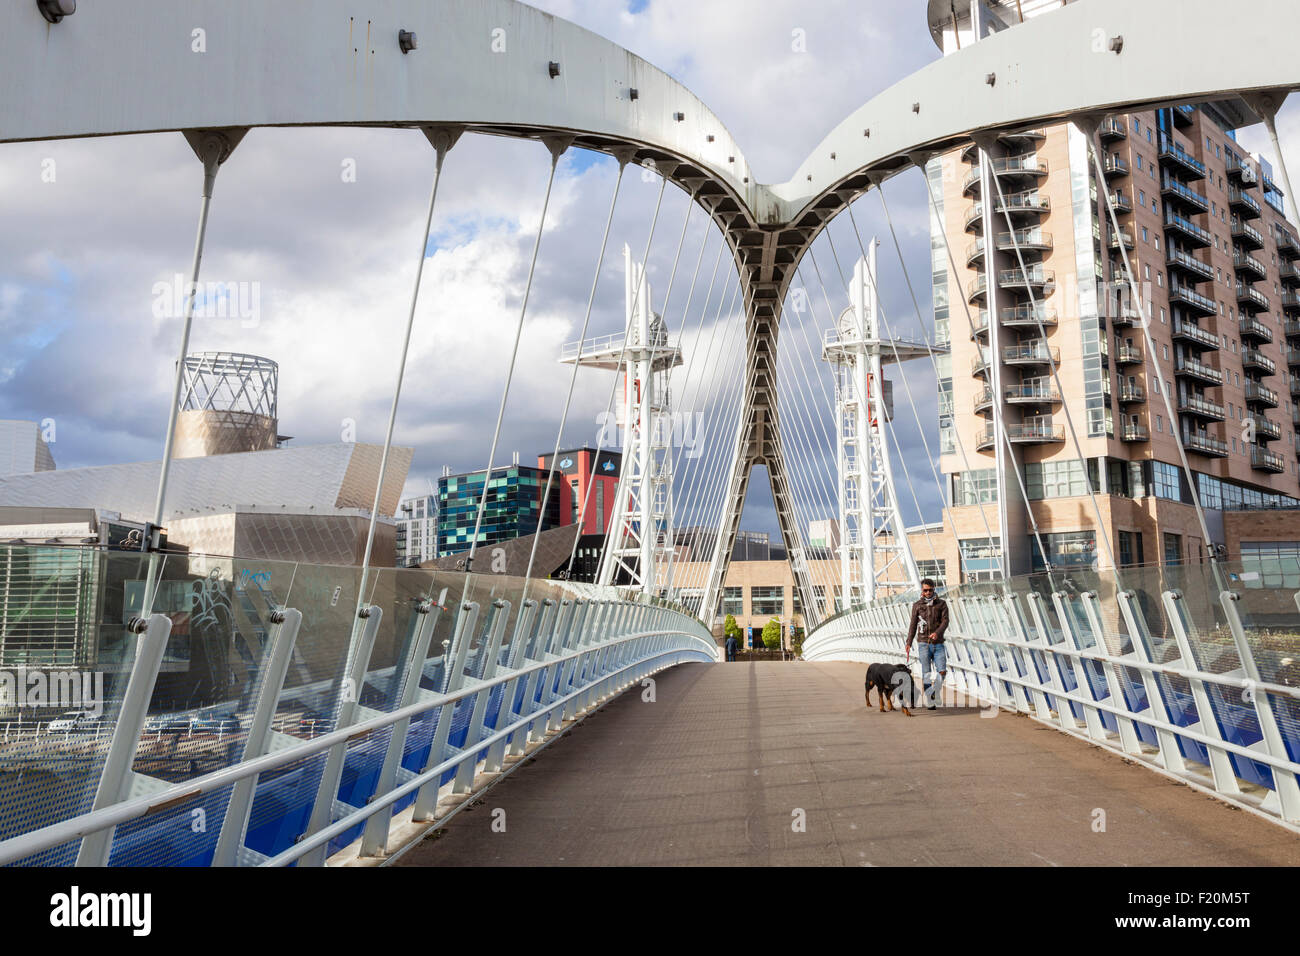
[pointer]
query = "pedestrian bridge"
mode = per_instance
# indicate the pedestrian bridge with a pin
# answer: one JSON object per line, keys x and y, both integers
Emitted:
{"x": 256, "y": 712}
{"x": 1081, "y": 724}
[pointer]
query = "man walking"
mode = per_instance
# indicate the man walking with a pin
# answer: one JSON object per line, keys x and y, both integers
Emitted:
{"x": 731, "y": 647}
{"x": 928, "y": 624}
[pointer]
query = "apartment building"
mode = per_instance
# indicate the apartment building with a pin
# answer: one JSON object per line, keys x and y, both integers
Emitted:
{"x": 1046, "y": 337}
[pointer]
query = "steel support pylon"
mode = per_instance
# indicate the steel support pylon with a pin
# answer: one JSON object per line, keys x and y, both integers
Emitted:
{"x": 874, "y": 551}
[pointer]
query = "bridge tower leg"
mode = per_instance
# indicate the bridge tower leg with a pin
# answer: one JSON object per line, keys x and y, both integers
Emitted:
{"x": 758, "y": 442}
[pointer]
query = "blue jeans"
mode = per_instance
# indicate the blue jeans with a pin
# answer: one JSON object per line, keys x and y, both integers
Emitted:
{"x": 926, "y": 654}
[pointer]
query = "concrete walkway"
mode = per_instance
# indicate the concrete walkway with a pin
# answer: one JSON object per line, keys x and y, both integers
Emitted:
{"x": 729, "y": 758}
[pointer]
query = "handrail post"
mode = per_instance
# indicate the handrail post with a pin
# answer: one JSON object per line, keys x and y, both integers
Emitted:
{"x": 275, "y": 666}
{"x": 115, "y": 778}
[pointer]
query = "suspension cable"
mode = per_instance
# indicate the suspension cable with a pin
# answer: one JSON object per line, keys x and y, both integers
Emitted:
{"x": 1144, "y": 317}
{"x": 613, "y": 389}
{"x": 556, "y": 148}
{"x": 989, "y": 243}
{"x": 998, "y": 424}
{"x": 441, "y": 153}
{"x": 573, "y": 377}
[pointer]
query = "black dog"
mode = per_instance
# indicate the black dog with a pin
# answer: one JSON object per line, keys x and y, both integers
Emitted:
{"x": 887, "y": 679}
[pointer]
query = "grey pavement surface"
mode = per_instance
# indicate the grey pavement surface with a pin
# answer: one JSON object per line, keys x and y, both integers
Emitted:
{"x": 715, "y": 770}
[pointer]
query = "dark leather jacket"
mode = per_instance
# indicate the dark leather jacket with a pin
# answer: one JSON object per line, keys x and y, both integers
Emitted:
{"x": 935, "y": 617}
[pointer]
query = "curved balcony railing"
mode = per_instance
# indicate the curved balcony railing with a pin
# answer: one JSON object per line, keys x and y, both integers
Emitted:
{"x": 1032, "y": 394}
{"x": 1031, "y": 353}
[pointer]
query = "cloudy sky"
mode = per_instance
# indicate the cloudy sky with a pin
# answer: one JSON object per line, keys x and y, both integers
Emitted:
{"x": 327, "y": 264}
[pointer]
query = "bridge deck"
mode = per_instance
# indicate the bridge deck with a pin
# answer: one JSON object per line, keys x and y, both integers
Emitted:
{"x": 713, "y": 770}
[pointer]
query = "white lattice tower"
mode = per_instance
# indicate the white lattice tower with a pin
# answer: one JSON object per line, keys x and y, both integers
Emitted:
{"x": 639, "y": 539}
{"x": 874, "y": 551}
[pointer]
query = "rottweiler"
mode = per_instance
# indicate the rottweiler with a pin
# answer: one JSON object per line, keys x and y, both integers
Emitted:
{"x": 888, "y": 678}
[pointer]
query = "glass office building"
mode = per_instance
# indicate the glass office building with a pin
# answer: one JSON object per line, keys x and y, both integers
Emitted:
{"x": 514, "y": 500}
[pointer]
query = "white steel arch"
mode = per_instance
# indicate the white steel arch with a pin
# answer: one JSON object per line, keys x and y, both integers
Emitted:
{"x": 500, "y": 67}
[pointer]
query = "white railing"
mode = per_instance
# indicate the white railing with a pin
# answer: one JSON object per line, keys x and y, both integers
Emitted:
{"x": 502, "y": 687}
{"x": 1193, "y": 672}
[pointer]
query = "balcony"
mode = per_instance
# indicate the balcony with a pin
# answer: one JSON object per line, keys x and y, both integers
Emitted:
{"x": 1243, "y": 204}
{"x": 1190, "y": 231}
{"x": 1288, "y": 247}
{"x": 1191, "y": 368}
{"x": 1244, "y": 262}
{"x": 1261, "y": 394}
{"x": 1112, "y": 129}
{"x": 1252, "y": 328}
{"x": 1248, "y": 297}
{"x": 1266, "y": 429}
{"x": 1027, "y": 240}
{"x": 1007, "y": 168}
{"x": 1128, "y": 355}
{"x": 979, "y": 364}
{"x": 1125, "y": 315}
{"x": 983, "y": 401}
{"x": 1291, "y": 328}
{"x": 1262, "y": 460}
{"x": 1131, "y": 394}
{"x": 1203, "y": 443}
{"x": 1290, "y": 300}
{"x": 1256, "y": 360}
{"x": 1239, "y": 172}
{"x": 1199, "y": 271}
{"x": 1246, "y": 235}
{"x": 1125, "y": 236}
{"x": 1115, "y": 166}
{"x": 1294, "y": 382}
{"x": 1035, "y": 278}
{"x": 1175, "y": 191}
{"x": 1031, "y": 353}
{"x": 1121, "y": 202}
{"x": 1289, "y": 273}
{"x": 1032, "y": 394}
{"x": 1021, "y": 316}
{"x": 1194, "y": 333}
{"x": 1171, "y": 154}
{"x": 1130, "y": 432}
{"x": 1201, "y": 407}
{"x": 1184, "y": 114}
{"x": 1036, "y": 431}
{"x": 1192, "y": 299}
{"x": 1293, "y": 358}
{"x": 978, "y": 289}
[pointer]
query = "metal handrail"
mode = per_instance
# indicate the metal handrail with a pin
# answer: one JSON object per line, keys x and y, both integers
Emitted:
{"x": 56, "y": 834}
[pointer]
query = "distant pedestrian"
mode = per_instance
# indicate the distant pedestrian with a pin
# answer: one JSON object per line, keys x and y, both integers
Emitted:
{"x": 928, "y": 624}
{"x": 731, "y": 647}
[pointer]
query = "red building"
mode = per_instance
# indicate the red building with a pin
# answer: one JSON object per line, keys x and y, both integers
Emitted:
{"x": 582, "y": 468}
